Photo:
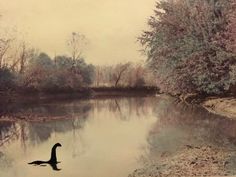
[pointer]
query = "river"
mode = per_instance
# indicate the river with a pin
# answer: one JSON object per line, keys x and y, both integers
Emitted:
{"x": 105, "y": 137}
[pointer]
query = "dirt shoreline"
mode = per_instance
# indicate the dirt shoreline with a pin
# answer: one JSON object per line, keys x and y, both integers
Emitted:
{"x": 192, "y": 161}
{"x": 222, "y": 106}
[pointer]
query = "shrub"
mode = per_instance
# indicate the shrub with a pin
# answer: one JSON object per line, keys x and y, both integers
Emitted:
{"x": 7, "y": 79}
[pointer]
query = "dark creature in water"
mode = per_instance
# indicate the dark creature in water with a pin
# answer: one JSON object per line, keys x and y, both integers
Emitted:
{"x": 53, "y": 160}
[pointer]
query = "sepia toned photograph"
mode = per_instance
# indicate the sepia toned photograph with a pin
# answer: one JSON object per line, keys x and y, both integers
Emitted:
{"x": 117, "y": 88}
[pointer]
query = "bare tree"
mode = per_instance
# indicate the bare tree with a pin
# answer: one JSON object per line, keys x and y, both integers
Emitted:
{"x": 76, "y": 44}
{"x": 119, "y": 71}
{"x": 4, "y": 46}
{"x": 126, "y": 74}
{"x": 24, "y": 55}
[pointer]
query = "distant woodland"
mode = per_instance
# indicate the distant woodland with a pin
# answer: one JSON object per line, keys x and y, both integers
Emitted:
{"x": 23, "y": 68}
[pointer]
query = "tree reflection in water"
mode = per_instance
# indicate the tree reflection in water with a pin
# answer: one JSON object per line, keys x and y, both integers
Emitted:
{"x": 180, "y": 124}
{"x": 72, "y": 116}
{"x": 176, "y": 124}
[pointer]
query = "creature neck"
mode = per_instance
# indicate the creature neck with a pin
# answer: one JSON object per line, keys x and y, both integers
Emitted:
{"x": 53, "y": 158}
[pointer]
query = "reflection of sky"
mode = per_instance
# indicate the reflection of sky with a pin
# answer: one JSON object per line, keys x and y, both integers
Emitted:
{"x": 105, "y": 142}
{"x": 180, "y": 125}
{"x": 109, "y": 136}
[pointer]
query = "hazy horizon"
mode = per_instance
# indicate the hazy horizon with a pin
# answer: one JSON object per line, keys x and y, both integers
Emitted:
{"x": 112, "y": 27}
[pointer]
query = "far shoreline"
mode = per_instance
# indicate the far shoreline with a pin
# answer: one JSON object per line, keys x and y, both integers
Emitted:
{"x": 31, "y": 95}
{"x": 220, "y": 105}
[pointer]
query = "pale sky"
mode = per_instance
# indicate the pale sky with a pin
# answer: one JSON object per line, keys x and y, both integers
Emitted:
{"x": 111, "y": 26}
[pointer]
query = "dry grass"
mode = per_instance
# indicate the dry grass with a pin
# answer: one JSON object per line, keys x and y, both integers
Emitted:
{"x": 194, "y": 161}
{"x": 222, "y": 106}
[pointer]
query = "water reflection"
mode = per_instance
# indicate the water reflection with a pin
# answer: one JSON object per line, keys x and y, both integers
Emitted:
{"x": 100, "y": 137}
{"x": 180, "y": 125}
{"x": 107, "y": 137}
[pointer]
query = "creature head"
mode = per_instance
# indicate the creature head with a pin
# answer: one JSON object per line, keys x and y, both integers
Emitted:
{"x": 57, "y": 145}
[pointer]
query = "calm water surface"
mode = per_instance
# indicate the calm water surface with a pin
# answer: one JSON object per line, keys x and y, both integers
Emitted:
{"x": 105, "y": 137}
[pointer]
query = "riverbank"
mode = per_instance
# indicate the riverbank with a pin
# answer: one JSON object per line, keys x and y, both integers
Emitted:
{"x": 192, "y": 161}
{"x": 83, "y": 93}
{"x": 222, "y": 106}
{"x": 197, "y": 161}
{"x": 123, "y": 91}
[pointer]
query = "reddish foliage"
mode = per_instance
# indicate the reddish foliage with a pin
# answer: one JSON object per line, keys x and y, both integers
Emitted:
{"x": 191, "y": 45}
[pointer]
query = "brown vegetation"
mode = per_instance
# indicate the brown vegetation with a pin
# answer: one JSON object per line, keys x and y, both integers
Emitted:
{"x": 192, "y": 161}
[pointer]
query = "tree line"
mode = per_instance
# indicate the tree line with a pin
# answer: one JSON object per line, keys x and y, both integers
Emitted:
{"x": 124, "y": 74}
{"x": 23, "y": 68}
